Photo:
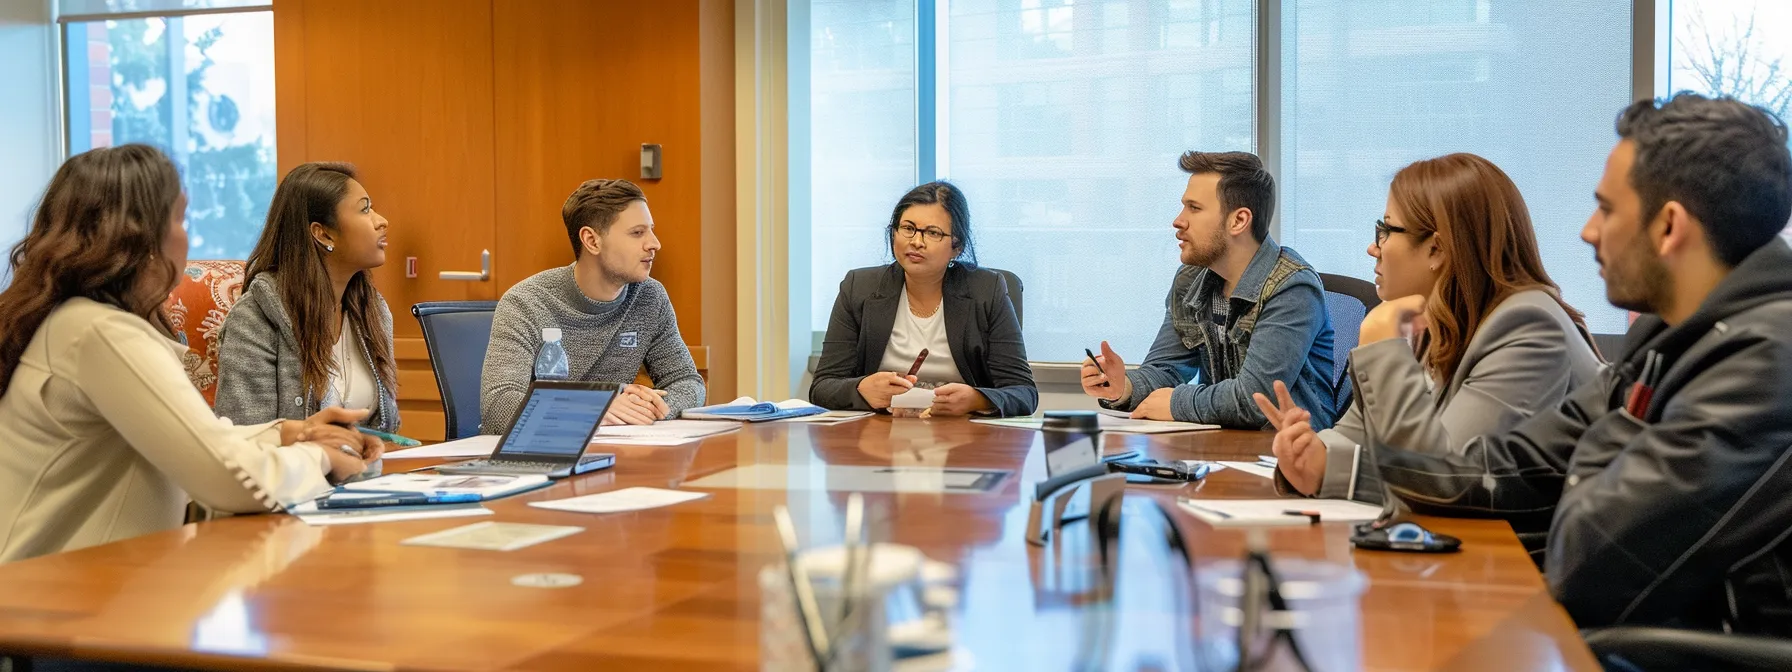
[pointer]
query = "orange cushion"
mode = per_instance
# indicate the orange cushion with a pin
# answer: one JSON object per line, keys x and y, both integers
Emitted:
{"x": 197, "y": 308}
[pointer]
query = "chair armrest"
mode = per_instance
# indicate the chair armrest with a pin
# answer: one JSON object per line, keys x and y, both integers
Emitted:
{"x": 1642, "y": 648}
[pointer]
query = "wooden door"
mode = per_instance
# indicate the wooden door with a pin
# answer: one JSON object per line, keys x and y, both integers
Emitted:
{"x": 402, "y": 89}
{"x": 580, "y": 87}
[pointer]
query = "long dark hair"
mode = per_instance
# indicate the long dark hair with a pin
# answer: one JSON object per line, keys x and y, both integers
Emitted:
{"x": 95, "y": 235}
{"x": 1490, "y": 250}
{"x": 310, "y": 193}
{"x": 947, "y": 196}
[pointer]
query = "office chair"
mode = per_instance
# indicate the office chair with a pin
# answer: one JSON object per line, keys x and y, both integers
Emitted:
{"x": 456, "y": 333}
{"x": 1347, "y": 300}
{"x": 1014, "y": 290}
{"x": 1642, "y": 649}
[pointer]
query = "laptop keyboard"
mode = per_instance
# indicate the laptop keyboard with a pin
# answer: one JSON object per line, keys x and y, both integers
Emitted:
{"x": 513, "y": 465}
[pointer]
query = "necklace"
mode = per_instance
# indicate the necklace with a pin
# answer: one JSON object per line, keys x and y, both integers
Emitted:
{"x": 913, "y": 306}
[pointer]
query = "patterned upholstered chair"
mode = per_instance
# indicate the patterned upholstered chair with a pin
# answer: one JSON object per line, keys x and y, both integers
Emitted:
{"x": 197, "y": 307}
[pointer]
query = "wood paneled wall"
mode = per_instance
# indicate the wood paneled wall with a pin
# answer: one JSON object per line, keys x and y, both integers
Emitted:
{"x": 471, "y": 121}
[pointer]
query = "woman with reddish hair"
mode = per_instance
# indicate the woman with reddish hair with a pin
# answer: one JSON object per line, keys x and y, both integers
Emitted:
{"x": 1472, "y": 337}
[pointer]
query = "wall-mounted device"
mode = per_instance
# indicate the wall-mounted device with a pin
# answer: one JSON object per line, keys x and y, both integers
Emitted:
{"x": 650, "y": 162}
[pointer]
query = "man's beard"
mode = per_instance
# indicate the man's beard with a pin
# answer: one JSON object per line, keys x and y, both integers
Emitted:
{"x": 1637, "y": 280}
{"x": 1206, "y": 255}
{"x": 621, "y": 277}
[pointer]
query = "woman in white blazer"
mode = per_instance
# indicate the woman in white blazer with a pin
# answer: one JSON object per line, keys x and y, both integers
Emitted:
{"x": 102, "y": 437}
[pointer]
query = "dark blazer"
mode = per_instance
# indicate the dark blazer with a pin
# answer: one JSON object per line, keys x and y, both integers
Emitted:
{"x": 980, "y": 328}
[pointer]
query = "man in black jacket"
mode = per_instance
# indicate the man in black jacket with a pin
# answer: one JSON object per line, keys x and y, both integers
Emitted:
{"x": 1671, "y": 505}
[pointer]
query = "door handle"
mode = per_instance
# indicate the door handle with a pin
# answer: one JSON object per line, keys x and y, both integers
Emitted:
{"x": 484, "y": 273}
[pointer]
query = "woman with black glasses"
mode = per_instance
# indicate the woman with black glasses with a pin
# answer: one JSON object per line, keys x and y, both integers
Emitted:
{"x": 932, "y": 299}
{"x": 1472, "y": 337}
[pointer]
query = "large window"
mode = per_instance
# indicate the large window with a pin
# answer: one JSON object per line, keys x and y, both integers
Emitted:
{"x": 1368, "y": 87}
{"x": 201, "y": 88}
{"x": 1736, "y": 48}
{"x": 1060, "y": 120}
{"x": 862, "y": 112}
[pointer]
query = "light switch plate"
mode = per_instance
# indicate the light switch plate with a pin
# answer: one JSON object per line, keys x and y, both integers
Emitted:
{"x": 650, "y": 162}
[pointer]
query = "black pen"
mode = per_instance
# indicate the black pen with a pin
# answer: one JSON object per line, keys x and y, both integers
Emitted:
{"x": 1091, "y": 355}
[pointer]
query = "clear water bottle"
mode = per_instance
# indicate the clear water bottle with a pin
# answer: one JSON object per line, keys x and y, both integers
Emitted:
{"x": 550, "y": 360}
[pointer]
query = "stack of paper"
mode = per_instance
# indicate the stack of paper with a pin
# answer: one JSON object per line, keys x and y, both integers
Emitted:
{"x": 474, "y": 446}
{"x": 831, "y": 417}
{"x": 745, "y": 409}
{"x": 486, "y": 486}
{"x": 1276, "y": 512}
{"x": 1121, "y": 421}
{"x": 662, "y": 433}
{"x": 312, "y": 515}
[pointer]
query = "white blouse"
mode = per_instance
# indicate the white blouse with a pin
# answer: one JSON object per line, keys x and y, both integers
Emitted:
{"x": 353, "y": 385}
{"x": 909, "y": 335}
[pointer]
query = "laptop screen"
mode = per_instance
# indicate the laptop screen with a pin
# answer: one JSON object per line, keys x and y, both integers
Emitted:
{"x": 556, "y": 421}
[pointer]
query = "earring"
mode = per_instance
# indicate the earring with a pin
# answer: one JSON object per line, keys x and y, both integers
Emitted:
{"x": 332, "y": 248}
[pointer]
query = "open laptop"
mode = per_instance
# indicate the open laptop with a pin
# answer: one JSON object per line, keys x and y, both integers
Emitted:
{"x": 549, "y": 434}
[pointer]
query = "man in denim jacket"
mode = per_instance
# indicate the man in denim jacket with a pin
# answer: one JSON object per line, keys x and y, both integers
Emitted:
{"x": 1242, "y": 313}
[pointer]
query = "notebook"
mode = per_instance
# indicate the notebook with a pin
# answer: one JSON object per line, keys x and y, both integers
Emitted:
{"x": 745, "y": 409}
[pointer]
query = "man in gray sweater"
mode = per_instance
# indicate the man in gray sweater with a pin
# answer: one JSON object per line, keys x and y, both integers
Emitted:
{"x": 613, "y": 318}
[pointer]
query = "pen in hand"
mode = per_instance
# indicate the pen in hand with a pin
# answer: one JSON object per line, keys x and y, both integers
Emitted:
{"x": 918, "y": 359}
{"x": 394, "y": 439}
{"x": 1097, "y": 364}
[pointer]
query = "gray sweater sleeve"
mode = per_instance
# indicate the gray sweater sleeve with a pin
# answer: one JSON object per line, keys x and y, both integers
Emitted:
{"x": 248, "y": 371}
{"x": 509, "y": 366}
{"x": 670, "y": 367}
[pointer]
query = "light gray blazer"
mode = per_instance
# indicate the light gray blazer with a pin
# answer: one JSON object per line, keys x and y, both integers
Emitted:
{"x": 1523, "y": 359}
{"x": 259, "y": 377}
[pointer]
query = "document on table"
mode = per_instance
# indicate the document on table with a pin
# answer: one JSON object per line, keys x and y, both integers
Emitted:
{"x": 493, "y": 536}
{"x": 830, "y": 417}
{"x": 662, "y": 433}
{"x": 473, "y": 446}
{"x": 617, "y": 501}
{"x": 1121, "y": 421}
{"x": 312, "y": 515}
{"x": 1275, "y": 512}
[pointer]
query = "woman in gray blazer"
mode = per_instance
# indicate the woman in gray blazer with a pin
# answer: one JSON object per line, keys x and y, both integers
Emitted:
{"x": 1473, "y": 338}
{"x": 311, "y": 331}
{"x": 932, "y": 298}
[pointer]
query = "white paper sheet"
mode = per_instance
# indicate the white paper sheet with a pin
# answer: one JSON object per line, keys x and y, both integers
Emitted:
{"x": 1270, "y": 512}
{"x": 616, "y": 501}
{"x": 1110, "y": 423}
{"x": 831, "y": 417}
{"x": 489, "y": 486}
{"x": 1252, "y": 468}
{"x": 475, "y": 446}
{"x": 662, "y": 433}
{"x": 312, "y": 515}
{"x": 493, "y": 536}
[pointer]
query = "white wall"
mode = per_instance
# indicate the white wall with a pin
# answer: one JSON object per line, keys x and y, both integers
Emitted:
{"x": 30, "y": 142}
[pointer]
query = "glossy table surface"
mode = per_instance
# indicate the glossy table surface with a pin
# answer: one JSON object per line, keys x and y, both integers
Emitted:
{"x": 677, "y": 588}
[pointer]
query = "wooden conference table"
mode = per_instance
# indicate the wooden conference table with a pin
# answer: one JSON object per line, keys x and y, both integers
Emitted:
{"x": 676, "y": 587}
